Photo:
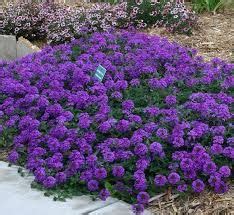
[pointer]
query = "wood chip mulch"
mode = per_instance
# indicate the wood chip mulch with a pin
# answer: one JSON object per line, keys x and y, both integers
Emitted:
{"x": 3, "y": 154}
{"x": 214, "y": 36}
{"x": 207, "y": 203}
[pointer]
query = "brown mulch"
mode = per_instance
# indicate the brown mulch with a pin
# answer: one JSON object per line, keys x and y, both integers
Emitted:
{"x": 3, "y": 154}
{"x": 214, "y": 36}
{"x": 207, "y": 203}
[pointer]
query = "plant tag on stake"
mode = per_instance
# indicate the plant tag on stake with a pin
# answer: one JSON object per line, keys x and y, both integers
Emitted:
{"x": 100, "y": 73}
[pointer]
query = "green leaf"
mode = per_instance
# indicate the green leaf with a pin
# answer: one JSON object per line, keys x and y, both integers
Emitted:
{"x": 108, "y": 186}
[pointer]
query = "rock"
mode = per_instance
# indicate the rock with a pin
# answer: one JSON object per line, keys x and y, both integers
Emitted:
{"x": 24, "y": 47}
{"x": 7, "y": 47}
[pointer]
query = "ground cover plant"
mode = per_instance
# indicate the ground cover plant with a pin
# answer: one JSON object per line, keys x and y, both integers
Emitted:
{"x": 160, "y": 119}
{"x": 60, "y": 23}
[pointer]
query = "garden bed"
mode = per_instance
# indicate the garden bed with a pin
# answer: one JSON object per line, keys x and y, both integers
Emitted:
{"x": 159, "y": 121}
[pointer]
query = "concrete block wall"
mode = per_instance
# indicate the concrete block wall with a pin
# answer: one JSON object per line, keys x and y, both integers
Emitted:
{"x": 10, "y": 48}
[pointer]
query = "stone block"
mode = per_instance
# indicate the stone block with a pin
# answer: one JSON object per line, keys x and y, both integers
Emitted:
{"x": 7, "y": 47}
{"x": 24, "y": 47}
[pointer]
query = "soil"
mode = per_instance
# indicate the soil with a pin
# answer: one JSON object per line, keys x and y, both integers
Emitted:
{"x": 214, "y": 36}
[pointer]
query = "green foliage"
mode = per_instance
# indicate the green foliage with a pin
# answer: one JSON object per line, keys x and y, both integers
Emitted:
{"x": 73, "y": 187}
{"x": 208, "y": 5}
{"x": 6, "y": 138}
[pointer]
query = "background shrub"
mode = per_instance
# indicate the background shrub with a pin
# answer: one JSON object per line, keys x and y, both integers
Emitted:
{"x": 68, "y": 23}
{"x": 64, "y": 24}
{"x": 24, "y": 19}
{"x": 61, "y": 23}
{"x": 171, "y": 14}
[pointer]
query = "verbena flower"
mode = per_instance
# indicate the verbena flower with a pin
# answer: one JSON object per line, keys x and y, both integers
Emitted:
{"x": 173, "y": 178}
{"x": 209, "y": 167}
{"x": 156, "y": 148}
{"x": 118, "y": 171}
{"x": 198, "y": 185}
{"x": 170, "y": 100}
{"x": 221, "y": 187}
{"x": 138, "y": 208}
{"x": 143, "y": 197}
{"x": 214, "y": 178}
{"x": 225, "y": 171}
{"x": 100, "y": 173}
{"x": 13, "y": 157}
{"x": 182, "y": 187}
{"x": 49, "y": 182}
{"x": 160, "y": 180}
{"x": 104, "y": 194}
{"x": 93, "y": 185}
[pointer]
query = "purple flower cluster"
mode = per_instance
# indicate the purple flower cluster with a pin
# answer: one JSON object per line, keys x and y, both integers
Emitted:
{"x": 64, "y": 123}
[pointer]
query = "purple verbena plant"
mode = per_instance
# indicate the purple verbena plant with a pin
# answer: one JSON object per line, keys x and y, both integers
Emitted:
{"x": 162, "y": 117}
